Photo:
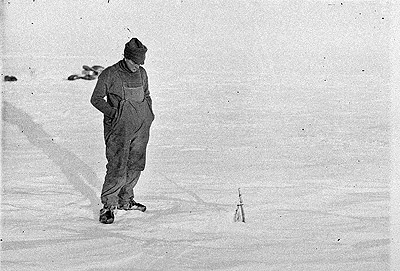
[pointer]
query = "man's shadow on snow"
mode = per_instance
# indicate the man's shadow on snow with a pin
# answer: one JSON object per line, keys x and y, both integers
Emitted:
{"x": 77, "y": 172}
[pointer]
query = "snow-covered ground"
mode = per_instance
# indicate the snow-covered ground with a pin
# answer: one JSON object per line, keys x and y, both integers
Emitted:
{"x": 305, "y": 137}
{"x": 312, "y": 162}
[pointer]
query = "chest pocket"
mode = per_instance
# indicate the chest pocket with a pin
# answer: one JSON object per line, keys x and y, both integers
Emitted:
{"x": 133, "y": 93}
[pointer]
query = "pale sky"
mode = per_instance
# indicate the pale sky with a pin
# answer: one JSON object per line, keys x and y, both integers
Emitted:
{"x": 97, "y": 27}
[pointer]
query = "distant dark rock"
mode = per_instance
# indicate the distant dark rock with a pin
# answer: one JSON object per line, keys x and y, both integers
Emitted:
{"x": 98, "y": 69}
{"x": 73, "y": 77}
{"x": 10, "y": 78}
{"x": 85, "y": 77}
{"x": 88, "y": 73}
{"x": 89, "y": 77}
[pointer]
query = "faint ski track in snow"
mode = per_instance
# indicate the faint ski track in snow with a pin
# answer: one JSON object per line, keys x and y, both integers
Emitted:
{"x": 77, "y": 172}
{"x": 80, "y": 176}
{"x": 191, "y": 193}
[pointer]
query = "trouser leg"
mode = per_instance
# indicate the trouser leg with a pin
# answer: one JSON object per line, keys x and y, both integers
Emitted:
{"x": 136, "y": 162}
{"x": 137, "y": 149}
{"x": 117, "y": 153}
{"x": 126, "y": 192}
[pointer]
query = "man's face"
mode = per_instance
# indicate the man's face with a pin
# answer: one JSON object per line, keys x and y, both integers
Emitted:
{"x": 132, "y": 65}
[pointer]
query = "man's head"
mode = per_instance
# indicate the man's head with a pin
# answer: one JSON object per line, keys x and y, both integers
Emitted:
{"x": 135, "y": 51}
{"x": 131, "y": 65}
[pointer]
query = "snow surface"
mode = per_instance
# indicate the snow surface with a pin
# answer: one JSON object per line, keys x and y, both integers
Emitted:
{"x": 305, "y": 137}
{"x": 311, "y": 161}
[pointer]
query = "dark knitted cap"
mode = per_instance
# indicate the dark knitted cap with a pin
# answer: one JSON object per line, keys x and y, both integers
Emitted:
{"x": 135, "y": 51}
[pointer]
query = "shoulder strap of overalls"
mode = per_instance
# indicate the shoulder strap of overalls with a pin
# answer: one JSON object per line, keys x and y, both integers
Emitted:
{"x": 141, "y": 77}
{"x": 122, "y": 83}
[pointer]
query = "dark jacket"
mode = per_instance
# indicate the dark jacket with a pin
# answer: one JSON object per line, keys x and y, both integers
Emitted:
{"x": 109, "y": 85}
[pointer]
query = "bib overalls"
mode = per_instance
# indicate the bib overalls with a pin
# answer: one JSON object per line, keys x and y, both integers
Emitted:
{"x": 126, "y": 140}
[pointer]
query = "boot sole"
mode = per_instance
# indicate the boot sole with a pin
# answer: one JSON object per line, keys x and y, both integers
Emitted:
{"x": 142, "y": 209}
{"x": 107, "y": 221}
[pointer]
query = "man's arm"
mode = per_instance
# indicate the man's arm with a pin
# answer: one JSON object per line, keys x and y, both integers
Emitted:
{"x": 146, "y": 88}
{"x": 99, "y": 93}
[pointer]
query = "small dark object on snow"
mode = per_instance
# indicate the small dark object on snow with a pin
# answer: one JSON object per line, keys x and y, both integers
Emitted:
{"x": 239, "y": 213}
{"x": 73, "y": 77}
{"x": 88, "y": 73}
{"x": 89, "y": 77}
{"x": 98, "y": 68}
{"x": 10, "y": 78}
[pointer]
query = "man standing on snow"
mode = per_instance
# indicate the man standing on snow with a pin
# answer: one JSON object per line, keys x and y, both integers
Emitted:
{"x": 128, "y": 116}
